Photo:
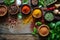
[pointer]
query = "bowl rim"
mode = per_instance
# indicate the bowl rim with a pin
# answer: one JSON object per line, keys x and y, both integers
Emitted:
{"x": 5, "y": 10}
{"x": 51, "y": 13}
{"x": 39, "y": 9}
{"x": 16, "y": 11}
{"x": 36, "y": 4}
{"x": 44, "y": 26}
{"x": 26, "y": 5}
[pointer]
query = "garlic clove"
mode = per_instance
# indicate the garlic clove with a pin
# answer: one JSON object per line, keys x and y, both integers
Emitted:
{"x": 57, "y": 5}
{"x": 55, "y": 11}
{"x": 58, "y": 12}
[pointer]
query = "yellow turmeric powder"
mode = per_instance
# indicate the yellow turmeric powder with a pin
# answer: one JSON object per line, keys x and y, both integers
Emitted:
{"x": 27, "y": 19}
{"x": 37, "y": 13}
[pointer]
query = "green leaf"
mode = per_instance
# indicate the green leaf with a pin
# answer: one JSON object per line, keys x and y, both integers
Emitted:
{"x": 53, "y": 36}
{"x": 55, "y": 32}
{"x": 12, "y": 1}
{"x": 9, "y": 2}
{"x": 25, "y": 1}
{"x": 38, "y": 23}
{"x": 52, "y": 25}
{"x": 51, "y": 31}
{"x": 19, "y": 16}
{"x": 42, "y": 3}
{"x": 57, "y": 36}
{"x": 33, "y": 33}
{"x": 48, "y": 38}
{"x": 35, "y": 30}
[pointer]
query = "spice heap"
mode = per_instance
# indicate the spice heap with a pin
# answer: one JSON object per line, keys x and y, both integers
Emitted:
{"x": 43, "y": 30}
{"x": 13, "y": 9}
{"x": 37, "y": 13}
{"x": 49, "y": 16}
{"x": 25, "y": 9}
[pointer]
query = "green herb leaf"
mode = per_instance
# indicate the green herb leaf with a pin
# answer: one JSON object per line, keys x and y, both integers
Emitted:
{"x": 35, "y": 30}
{"x": 9, "y": 2}
{"x": 53, "y": 35}
{"x": 38, "y": 23}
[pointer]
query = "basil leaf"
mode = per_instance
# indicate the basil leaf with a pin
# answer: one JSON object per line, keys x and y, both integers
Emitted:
{"x": 35, "y": 30}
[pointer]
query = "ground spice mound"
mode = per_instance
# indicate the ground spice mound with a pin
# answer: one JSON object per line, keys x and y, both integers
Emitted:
{"x": 43, "y": 31}
{"x": 25, "y": 9}
{"x": 37, "y": 13}
{"x": 13, "y": 9}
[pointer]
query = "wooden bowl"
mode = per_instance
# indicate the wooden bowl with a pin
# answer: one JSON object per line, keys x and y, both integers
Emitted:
{"x": 26, "y": 9}
{"x": 35, "y": 16}
{"x": 13, "y": 11}
{"x": 34, "y": 2}
{"x": 45, "y": 29}
{"x": 3, "y": 10}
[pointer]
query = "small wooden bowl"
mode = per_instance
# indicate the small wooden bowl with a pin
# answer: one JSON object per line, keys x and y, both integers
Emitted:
{"x": 52, "y": 18}
{"x": 12, "y": 13}
{"x": 35, "y": 4}
{"x": 41, "y": 33}
{"x": 4, "y": 9}
{"x": 39, "y": 9}
{"x": 23, "y": 6}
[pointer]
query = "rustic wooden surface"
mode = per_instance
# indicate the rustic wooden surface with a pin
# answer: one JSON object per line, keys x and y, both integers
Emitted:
{"x": 4, "y": 29}
{"x": 18, "y": 37}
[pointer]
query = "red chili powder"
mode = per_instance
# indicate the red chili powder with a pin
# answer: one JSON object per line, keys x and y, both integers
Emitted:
{"x": 25, "y": 9}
